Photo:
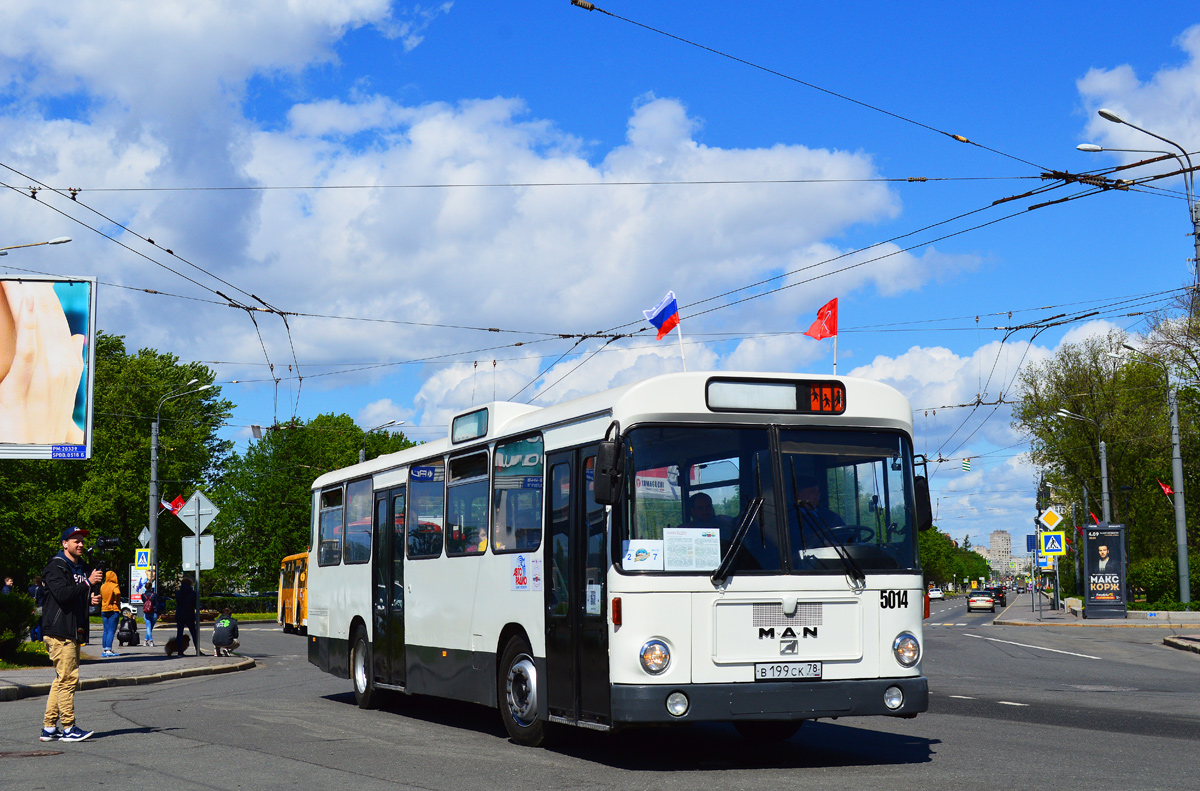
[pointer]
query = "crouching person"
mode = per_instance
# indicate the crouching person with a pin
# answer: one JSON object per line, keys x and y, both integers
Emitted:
{"x": 225, "y": 633}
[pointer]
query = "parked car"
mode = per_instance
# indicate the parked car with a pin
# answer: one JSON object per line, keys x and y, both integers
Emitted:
{"x": 981, "y": 600}
{"x": 935, "y": 594}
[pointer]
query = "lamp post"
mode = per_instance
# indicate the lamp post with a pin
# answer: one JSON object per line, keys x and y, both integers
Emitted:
{"x": 1181, "y": 549}
{"x": 1189, "y": 186}
{"x": 59, "y": 240}
{"x": 1104, "y": 506}
{"x": 154, "y": 502}
{"x": 362, "y": 452}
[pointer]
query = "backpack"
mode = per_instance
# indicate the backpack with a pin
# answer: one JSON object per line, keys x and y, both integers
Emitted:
{"x": 148, "y": 604}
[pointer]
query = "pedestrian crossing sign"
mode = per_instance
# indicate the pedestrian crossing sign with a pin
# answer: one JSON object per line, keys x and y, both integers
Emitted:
{"x": 1054, "y": 543}
{"x": 141, "y": 558}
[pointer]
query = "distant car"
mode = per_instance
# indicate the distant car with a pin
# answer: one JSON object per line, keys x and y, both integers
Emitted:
{"x": 981, "y": 600}
{"x": 935, "y": 594}
{"x": 999, "y": 595}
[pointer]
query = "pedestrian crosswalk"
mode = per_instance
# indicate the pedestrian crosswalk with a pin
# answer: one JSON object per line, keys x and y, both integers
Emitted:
{"x": 947, "y": 624}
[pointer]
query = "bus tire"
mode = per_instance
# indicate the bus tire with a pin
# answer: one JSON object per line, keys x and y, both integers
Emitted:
{"x": 516, "y": 693}
{"x": 360, "y": 670}
{"x": 767, "y": 731}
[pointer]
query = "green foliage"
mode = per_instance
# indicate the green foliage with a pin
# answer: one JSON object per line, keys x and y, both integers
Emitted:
{"x": 265, "y": 494}
{"x": 27, "y": 655}
{"x": 1157, "y": 577}
{"x": 108, "y": 494}
{"x": 943, "y": 563}
{"x": 1127, "y": 400}
{"x": 17, "y": 616}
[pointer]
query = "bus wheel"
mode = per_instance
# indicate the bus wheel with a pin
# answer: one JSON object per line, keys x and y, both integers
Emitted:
{"x": 517, "y": 694}
{"x": 360, "y": 670}
{"x": 767, "y": 731}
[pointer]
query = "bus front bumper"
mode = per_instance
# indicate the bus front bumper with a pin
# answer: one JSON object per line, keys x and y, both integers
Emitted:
{"x": 769, "y": 700}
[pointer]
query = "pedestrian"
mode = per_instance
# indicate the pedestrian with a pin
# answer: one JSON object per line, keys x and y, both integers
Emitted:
{"x": 8, "y": 585}
{"x": 152, "y": 608}
{"x": 65, "y": 629}
{"x": 127, "y": 631}
{"x": 185, "y": 615}
{"x": 37, "y": 592}
{"x": 225, "y": 633}
{"x": 110, "y": 612}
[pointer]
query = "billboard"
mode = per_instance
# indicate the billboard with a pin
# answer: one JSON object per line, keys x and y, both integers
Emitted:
{"x": 47, "y": 366}
{"x": 1104, "y": 571}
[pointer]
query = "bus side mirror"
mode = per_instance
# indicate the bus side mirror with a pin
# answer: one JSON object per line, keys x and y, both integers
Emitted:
{"x": 924, "y": 511}
{"x": 607, "y": 480}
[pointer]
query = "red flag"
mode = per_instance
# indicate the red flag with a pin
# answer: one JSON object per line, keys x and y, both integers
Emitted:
{"x": 826, "y": 324}
{"x": 1079, "y": 529}
{"x": 1166, "y": 489}
{"x": 1094, "y": 519}
{"x": 177, "y": 504}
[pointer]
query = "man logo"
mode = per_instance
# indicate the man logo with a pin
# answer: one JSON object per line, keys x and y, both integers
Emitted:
{"x": 765, "y": 633}
{"x": 787, "y": 647}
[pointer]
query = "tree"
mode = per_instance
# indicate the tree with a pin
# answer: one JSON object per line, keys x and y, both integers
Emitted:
{"x": 265, "y": 495}
{"x": 107, "y": 494}
{"x": 1125, "y": 400}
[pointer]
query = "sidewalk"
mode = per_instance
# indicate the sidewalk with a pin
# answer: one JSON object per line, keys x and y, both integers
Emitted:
{"x": 139, "y": 664}
{"x": 1025, "y": 615}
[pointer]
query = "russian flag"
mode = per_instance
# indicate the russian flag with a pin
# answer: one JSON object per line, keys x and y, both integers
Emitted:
{"x": 665, "y": 316}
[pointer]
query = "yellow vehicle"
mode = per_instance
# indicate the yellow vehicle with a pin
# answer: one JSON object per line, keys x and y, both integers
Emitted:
{"x": 292, "y": 609}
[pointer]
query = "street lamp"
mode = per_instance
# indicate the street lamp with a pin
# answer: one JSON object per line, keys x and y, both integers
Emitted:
{"x": 1189, "y": 185}
{"x": 1103, "y": 461}
{"x": 362, "y": 452}
{"x": 59, "y": 240}
{"x": 154, "y": 502}
{"x": 1181, "y": 549}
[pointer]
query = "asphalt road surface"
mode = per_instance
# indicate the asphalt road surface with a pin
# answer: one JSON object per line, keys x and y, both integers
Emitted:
{"x": 1010, "y": 707}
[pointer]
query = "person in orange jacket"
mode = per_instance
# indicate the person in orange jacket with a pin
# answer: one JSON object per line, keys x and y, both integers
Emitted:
{"x": 110, "y": 611}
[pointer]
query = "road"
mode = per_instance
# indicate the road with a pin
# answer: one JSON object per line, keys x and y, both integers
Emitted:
{"x": 1019, "y": 707}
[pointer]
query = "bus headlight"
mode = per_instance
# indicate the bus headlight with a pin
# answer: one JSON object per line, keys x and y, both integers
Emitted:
{"x": 906, "y": 649}
{"x": 655, "y": 657}
{"x": 677, "y": 704}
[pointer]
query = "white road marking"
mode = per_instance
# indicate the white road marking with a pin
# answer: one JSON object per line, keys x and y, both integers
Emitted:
{"x": 963, "y": 697}
{"x": 1010, "y": 703}
{"x": 1037, "y": 647}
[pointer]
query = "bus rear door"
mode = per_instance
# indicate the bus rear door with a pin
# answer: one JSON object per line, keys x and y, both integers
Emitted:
{"x": 387, "y": 578}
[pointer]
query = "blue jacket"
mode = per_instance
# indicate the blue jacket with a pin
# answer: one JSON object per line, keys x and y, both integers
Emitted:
{"x": 68, "y": 593}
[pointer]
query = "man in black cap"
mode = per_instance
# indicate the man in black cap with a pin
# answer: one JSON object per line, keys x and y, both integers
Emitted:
{"x": 64, "y": 629}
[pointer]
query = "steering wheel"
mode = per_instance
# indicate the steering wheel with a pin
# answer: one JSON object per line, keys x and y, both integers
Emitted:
{"x": 852, "y": 534}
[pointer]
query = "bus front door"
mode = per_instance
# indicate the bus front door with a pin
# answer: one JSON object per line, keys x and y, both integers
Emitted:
{"x": 576, "y": 619}
{"x": 387, "y": 577}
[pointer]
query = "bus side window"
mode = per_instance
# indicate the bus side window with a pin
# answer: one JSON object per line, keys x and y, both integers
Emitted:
{"x": 426, "y": 498}
{"x": 467, "y": 505}
{"x": 358, "y": 522}
{"x": 329, "y": 547}
{"x": 517, "y": 496}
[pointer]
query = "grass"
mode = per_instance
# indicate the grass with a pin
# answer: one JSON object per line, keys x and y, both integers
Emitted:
{"x": 27, "y": 655}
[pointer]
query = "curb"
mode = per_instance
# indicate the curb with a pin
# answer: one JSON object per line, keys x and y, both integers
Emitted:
{"x": 1183, "y": 643}
{"x": 1094, "y": 624}
{"x": 17, "y": 692}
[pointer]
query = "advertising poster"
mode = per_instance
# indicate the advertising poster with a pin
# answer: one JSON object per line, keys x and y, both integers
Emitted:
{"x": 1104, "y": 561}
{"x": 47, "y": 366}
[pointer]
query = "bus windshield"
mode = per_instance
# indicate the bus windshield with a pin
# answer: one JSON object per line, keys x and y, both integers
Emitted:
{"x": 844, "y": 493}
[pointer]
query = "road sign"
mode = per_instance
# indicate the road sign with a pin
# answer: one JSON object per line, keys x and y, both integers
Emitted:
{"x": 1050, "y": 518}
{"x": 1053, "y": 543}
{"x": 198, "y": 510}
{"x": 206, "y": 553}
{"x": 144, "y": 537}
{"x": 1044, "y": 564}
{"x": 141, "y": 559}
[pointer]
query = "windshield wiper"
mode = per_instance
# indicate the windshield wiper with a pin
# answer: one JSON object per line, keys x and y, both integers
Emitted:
{"x": 739, "y": 537}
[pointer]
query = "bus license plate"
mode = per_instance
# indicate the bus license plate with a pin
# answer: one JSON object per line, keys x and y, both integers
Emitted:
{"x": 786, "y": 671}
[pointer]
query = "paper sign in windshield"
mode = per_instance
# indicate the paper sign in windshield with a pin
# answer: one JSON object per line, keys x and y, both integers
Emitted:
{"x": 691, "y": 548}
{"x": 643, "y": 555}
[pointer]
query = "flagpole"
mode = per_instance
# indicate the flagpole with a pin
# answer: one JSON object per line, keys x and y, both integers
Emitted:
{"x": 835, "y": 355}
{"x": 679, "y": 329}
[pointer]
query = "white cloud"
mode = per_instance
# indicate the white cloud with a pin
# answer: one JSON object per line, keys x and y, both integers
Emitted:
{"x": 1168, "y": 103}
{"x": 376, "y": 413}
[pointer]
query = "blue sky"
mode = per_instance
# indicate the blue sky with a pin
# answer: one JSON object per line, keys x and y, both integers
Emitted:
{"x": 103, "y": 96}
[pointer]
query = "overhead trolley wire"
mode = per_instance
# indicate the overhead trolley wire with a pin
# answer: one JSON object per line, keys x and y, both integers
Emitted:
{"x": 588, "y": 6}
